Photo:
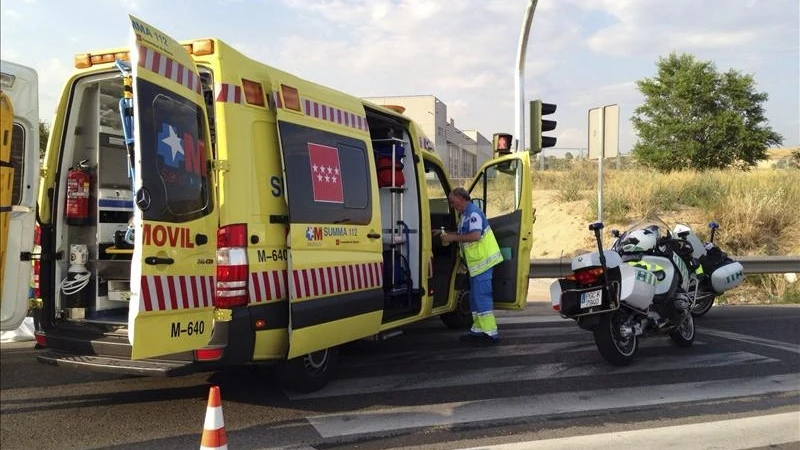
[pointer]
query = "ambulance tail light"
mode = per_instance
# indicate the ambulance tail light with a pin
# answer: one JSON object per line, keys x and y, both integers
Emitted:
{"x": 208, "y": 354}
{"x": 41, "y": 339}
{"x": 232, "y": 267}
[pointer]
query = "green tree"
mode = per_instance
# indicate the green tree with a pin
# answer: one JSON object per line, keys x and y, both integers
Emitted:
{"x": 695, "y": 117}
{"x": 44, "y": 134}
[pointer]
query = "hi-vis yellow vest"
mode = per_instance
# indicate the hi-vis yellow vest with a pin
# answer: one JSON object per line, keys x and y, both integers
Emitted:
{"x": 482, "y": 254}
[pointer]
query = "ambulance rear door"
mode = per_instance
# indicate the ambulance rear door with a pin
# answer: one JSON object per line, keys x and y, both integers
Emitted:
{"x": 19, "y": 181}
{"x": 511, "y": 219}
{"x": 334, "y": 242}
{"x": 174, "y": 259}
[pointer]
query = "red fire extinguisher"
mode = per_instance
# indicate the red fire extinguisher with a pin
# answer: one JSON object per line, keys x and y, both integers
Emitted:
{"x": 78, "y": 184}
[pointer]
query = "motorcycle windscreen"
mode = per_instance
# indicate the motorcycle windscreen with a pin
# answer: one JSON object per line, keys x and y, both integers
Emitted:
{"x": 173, "y": 267}
{"x": 502, "y": 188}
{"x": 19, "y": 179}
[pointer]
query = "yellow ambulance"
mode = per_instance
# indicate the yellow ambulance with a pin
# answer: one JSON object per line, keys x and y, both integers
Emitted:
{"x": 200, "y": 210}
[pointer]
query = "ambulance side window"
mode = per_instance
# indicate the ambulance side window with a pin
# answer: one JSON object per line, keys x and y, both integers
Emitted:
{"x": 438, "y": 188}
{"x": 17, "y": 161}
{"x": 327, "y": 176}
{"x": 175, "y": 169}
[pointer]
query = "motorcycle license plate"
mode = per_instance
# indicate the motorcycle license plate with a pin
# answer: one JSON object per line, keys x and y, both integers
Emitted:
{"x": 591, "y": 298}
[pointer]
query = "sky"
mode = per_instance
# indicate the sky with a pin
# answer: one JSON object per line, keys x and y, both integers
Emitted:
{"x": 581, "y": 54}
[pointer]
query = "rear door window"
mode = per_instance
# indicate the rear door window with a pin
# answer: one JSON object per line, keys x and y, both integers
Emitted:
{"x": 174, "y": 164}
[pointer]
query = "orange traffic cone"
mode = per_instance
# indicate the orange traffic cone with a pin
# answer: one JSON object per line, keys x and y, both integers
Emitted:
{"x": 214, "y": 437}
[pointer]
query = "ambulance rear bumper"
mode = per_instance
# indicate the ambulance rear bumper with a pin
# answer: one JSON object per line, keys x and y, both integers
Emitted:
{"x": 150, "y": 367}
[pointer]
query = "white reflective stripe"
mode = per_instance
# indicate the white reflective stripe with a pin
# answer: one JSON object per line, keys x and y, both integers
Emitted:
{"x": 165, "y": 291}
{"x": 319, "y": 280}
{"x": 179, "y": 295}
{"x": 486, "y": 263}
{"x": 272, "y": 289}
{"x": 198, "y": 284}
{"x": 214, "y": 419}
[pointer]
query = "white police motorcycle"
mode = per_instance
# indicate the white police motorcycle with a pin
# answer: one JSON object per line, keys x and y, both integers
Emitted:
{"x": 647, "y": 283}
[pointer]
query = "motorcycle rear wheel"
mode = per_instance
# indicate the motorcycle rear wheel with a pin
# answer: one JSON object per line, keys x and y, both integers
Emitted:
{"x": 702, "y": 306}
{"x": 684, "y": 334}
{"x": 615, "y": 348}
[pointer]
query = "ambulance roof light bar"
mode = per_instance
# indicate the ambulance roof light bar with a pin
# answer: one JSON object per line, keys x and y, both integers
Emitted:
{"x": 200, "y": 47}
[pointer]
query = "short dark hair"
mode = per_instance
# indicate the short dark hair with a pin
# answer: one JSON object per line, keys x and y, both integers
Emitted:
{"x": 461, "y": 192}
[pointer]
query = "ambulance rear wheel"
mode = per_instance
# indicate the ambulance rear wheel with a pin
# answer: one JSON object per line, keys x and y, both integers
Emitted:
{"x": 309, "y": 373}
{"x": 461, "y": 317}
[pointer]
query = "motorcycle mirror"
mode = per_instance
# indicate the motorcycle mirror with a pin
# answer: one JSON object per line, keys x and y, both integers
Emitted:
{"x": 596, "y": 226}
{"x": 615, "y": 233}
{"x": 713, "y": 225}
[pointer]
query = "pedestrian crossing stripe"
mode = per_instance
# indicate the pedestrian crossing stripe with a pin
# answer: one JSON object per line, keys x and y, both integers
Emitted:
{"x": 528, "y": 372}
{"x": 543, "y": 405}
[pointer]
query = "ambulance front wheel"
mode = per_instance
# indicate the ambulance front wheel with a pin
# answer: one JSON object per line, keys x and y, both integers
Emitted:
{"x": 309, "y": 373}
{"x": 461, "y": 317}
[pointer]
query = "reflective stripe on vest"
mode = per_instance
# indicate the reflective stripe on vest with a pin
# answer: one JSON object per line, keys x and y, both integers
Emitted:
{"x": 482, "y": 254}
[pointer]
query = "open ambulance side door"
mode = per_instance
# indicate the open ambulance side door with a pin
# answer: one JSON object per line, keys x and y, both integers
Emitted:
{"x": 19, "y": 182}
{"x": 502, "y": 188}
{"x": 335, "y": 245}
{"x": 174, "y": 259}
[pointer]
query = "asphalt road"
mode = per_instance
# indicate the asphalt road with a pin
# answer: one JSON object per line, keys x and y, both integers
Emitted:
{"x": 425, "y": 389}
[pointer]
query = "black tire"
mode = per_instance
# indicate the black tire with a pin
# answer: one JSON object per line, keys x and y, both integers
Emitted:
{"x": 615, "y": 349}
{"x": 703, "y": 306}
{"x": 461, "y": 317}
{"x": 309, "y": 373}
{"x": 684, "y": 334}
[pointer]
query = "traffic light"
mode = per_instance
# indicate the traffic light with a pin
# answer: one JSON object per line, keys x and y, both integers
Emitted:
{"x": 501, "y": 143}
{"x": 539, "y": 125}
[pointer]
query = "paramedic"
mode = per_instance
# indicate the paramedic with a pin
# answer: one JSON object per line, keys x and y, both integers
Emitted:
{"x": 481, "y": 253}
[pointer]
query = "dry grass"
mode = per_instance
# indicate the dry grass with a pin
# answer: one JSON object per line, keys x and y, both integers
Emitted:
{"x": 758, "y": 211}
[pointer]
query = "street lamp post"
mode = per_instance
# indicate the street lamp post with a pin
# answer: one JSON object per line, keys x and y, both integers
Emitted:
{"x": 519, "y": 80}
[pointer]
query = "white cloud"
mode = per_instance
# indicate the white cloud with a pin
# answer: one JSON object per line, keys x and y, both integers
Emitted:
{"x": 131, "y": 5}
{"x": 12, "y": 14}
{"x": 53, "y": 73}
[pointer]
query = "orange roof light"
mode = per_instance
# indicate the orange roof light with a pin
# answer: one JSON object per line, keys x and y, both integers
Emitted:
{"x": 253, "y": 92}
{"x": 83, "y": 61}
{"x": 291, "y": 98}
{"x": 396, "y": 108}
{"x": 202, "y": 47}
{"x": 86, "y": 60}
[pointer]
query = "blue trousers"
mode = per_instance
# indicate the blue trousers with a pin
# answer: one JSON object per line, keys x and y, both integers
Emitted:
{"x": 481, "y": 304}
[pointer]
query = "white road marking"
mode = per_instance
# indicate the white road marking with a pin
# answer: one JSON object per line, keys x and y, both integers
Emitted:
{"x": 498, "y": 409}
{"x": 785, "y": 346}
{"x": 733, "y": 434}
{"x": 505, "y": 351}
{"x": 490, "y": 375}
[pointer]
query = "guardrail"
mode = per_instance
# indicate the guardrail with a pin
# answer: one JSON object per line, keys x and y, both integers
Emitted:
{"x": 558, "y": 267}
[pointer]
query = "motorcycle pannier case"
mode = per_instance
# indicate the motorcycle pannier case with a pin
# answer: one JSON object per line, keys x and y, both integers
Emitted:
{"x": 727, "y": 277}
{"x": 725, "y": 273}
{"x": 638, "y": 287}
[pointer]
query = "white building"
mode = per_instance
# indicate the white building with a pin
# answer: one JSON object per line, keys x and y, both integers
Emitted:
{"x": 463, "y": 152}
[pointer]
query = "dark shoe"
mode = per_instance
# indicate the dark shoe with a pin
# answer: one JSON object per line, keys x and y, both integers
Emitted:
{"x": 481, "y": 339}
{"x": 471, "y": 337}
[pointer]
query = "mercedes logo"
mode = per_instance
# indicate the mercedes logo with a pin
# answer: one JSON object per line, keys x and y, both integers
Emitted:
{"x": 143, "y": 199}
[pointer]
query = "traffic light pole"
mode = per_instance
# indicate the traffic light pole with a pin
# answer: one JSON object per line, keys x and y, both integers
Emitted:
{"x": 519, "y": 80}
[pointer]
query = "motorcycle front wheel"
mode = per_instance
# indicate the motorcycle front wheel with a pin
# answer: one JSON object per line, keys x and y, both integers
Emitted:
{"x": 683, "y": 335}
{"x": 616, "y": 343}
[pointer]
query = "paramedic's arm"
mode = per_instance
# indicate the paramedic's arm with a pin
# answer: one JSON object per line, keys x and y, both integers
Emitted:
{"x": 469, "y": 237}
